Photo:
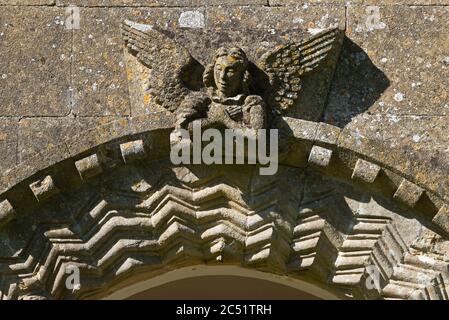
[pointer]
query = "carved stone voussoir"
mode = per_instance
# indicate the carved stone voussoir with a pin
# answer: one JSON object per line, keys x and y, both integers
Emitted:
{"x": 132, "y": 151}
{"x": 183, "y": 230}
{"x": 44, "y": 188}
{"x": 442, "y": 218}
{"x": 320, "y": 156}
{"x": 6, "y": 212}
{"x": 365, "y": 171}
{"x": 89, "y": 167}
{"x": 408, "y": 193}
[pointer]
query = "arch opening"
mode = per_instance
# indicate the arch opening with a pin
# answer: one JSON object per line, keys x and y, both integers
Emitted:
{"x": 205, "y": 282}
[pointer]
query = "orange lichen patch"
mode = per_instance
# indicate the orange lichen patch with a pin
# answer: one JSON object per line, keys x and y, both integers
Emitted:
{"x": 104, "y": 120}
{"x": 129, "y": 74}
{"x": 146, "y": 98}
{"x": 222, "y": 18}
{"x": 238, "y": 14}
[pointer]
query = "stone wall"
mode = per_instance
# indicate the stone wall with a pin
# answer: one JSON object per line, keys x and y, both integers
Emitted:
{"x": 390, "y": 84}
{"x": 84, "y": 164}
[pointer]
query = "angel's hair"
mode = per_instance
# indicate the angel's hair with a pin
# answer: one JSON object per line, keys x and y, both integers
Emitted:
{"x": 241, "y": 58}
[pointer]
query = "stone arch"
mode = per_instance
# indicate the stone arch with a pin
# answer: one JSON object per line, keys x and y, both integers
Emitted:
{"x": 109, "y": 202}
{"x": 194, "y": 272}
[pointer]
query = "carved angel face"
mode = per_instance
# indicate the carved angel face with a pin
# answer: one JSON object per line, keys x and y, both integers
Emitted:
{"x": 229, "y": 71}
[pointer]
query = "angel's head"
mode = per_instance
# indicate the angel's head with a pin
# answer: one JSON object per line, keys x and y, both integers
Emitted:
{"x": 228, "y": 73}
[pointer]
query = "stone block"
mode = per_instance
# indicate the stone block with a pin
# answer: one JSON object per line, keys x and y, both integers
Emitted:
{"x": 412, "y": 144}
{"x": 99, "y": 76}
{"x": 44, "y": 188}
{"x": 157, "y": 3}
{"x": 320, "y": 156}
{"x": 327, "y": 134}
{"x": 89, "y": 167}
{"x": 27, "y": 2}
{"x": 365, "y": 171}
{"x": 38, "y": 134}
{"x": 442, "y": 218}
{"x": 8, "y": 143}
{"x": 6, "y": 212}
{"x": 408, "y": 193}
{"x": 394, "y": 61}
{"x": 34, "y": 62}
{"x": 132, "y": 151}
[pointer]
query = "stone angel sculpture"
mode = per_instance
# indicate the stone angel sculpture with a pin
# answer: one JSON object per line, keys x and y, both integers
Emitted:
{"x": 225, "y": 92}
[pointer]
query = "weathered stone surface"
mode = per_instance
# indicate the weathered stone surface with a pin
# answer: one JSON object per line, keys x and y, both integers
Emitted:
{"x": 394, "y": 64}
{"x": 34, "y": 62}
{"x": 442, "y": 218}
{"x": 99, "y": 77}
{"x": 100, "y": 72}
{"x": 327, "y": 134}
{"x": 306, "y": 4}
{"x": 98, "y": 135}
{"x": 312, "y": 218}
{"x": 303, "y": 130}
{"x": 44, "y": 188}
{"x": 276, "y": 20}
{"x": 365, "y": 171}
{"x": 259, "y": 29}
{"x": 320, "y": 156}
{"x": 408, "y": 193}
{"x": 38, "y": 134}
{"x": 411, "y": 144}
{"x": 8, "y": 143}
{"x": 405, "y": 2}
{"x": 132, "y": 151}
{"x": 6, "y": 212}
{"x": 31, "y": 165}
{"x": 168, "y": 3}
{"x": 27, "y": 2}
{"x": 366, "y": 2}
{"x": 89, "y": 167}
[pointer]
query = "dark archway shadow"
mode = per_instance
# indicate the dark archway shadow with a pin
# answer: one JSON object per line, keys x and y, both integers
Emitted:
{"x": 205, "y": 288}
{"x": 356, "y": 86}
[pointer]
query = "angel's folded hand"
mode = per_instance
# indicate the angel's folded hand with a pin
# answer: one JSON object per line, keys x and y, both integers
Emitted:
{"x": 253, "y": 100}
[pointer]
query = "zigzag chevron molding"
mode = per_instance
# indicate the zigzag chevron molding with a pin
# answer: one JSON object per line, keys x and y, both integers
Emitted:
{"x": 149, "y": 217}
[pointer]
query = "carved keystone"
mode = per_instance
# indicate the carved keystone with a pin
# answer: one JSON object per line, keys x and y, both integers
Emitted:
{"x": 132, "y": 151}
{"x": 408, "y": 193}
{"x": 365, "y": 171}
{"x": 320, "y": 156}
{"x": 89, "y": 167}
{"x": 44, "y": 189}
{"x": 6, "y": 212}
{"x": 442, "y": 218}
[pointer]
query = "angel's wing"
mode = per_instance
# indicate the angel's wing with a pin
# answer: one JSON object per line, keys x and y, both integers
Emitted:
{"x": 287, "y": 64}
{"x": 174, "y": 72}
